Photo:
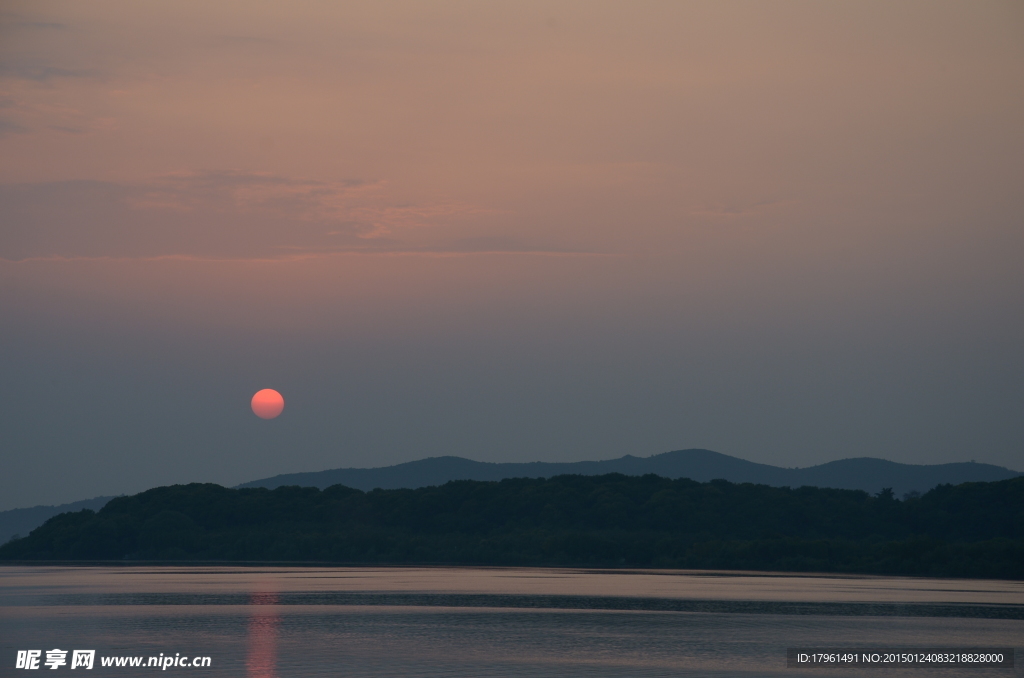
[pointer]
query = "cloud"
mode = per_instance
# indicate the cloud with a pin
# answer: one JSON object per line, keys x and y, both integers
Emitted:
{"x": 9, "y": 127}
{"x": 43, "y": 72}
{"x": 352, "y": 209}
{"x": 23, "y": 113}
{"x": 231, "y": 214}
{"x": 249, "y": 191}
{"x": 12, "y": 20}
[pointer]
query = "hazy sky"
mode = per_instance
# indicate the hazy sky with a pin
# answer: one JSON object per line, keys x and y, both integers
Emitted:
{"x": 791, "y": 232}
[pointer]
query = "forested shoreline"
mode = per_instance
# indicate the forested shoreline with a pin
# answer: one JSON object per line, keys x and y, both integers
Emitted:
{"x": 968, "y": 530}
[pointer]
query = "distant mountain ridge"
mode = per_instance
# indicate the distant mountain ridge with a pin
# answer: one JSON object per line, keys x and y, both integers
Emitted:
{"x": 864, "y": 473}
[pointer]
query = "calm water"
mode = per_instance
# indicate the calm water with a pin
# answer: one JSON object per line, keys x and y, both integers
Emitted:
{"x": 460, "y": 622}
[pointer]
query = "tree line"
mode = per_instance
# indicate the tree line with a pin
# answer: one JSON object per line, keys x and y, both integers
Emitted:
{"x": 968, "y": 530}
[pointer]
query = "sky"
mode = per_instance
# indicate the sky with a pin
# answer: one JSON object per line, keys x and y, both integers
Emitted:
{"x": 790, "y": 232}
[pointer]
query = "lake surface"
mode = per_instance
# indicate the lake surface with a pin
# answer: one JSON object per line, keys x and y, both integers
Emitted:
{"x": 460, "y": 622}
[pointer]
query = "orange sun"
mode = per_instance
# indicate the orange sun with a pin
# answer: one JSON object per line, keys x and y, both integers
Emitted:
{"x": 267, "y": 404}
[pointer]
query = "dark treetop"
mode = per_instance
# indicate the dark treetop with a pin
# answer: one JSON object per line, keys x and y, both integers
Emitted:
{"x": 972, "y": 529}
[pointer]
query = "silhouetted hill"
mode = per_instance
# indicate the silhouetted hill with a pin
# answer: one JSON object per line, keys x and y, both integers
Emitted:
{"x": 24, "y": 520}
{"x": 865, "y": 473}
{"x": 973, "y": 529}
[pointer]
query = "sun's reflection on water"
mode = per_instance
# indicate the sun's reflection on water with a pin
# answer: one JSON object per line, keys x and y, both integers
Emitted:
{"x": 261, "y": 661}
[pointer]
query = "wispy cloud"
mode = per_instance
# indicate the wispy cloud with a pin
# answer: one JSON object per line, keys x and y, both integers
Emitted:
{"x": 21, "y": 114}
{"x": 14, "y": 20}
{"x": 41, "y": 71}
{"x": 8, "y": 127}
{"x": 434, "y": 253}
{"x": 234, "y": 215}
{"x": 349, "y": 208}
